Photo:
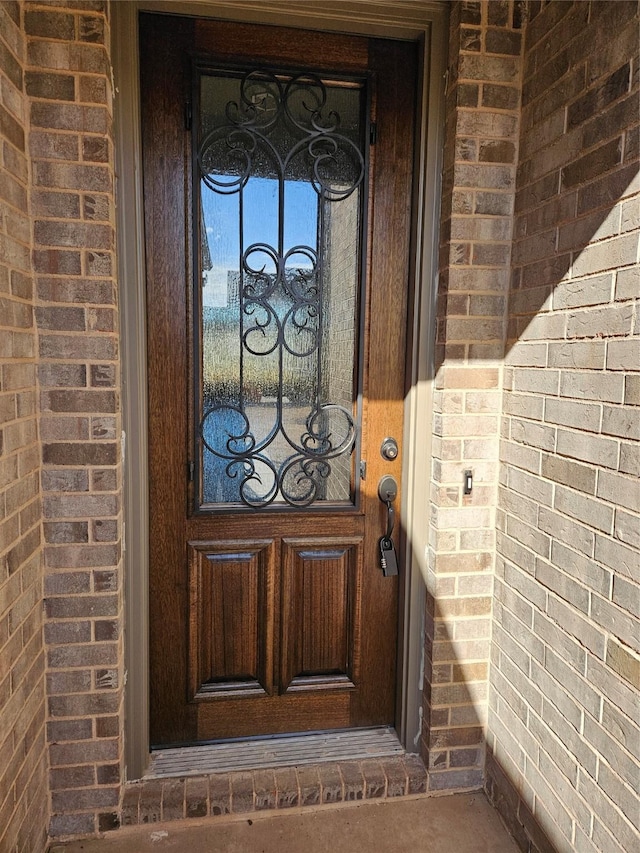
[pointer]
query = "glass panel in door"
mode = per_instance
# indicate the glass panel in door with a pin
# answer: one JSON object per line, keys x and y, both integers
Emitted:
{"x": 279, "y": 199}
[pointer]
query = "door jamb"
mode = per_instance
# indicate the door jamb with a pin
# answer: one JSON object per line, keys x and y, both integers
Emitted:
{"x": 426, "y": 21}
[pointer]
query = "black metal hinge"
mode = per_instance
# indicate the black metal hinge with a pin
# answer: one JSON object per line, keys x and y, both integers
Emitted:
{"x": 373, "y": 133}
{"x": 191, "y": 470}
{"x": 188, "y": 115}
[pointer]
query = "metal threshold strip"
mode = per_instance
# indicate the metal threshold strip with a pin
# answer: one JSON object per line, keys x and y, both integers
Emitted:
{"x": 287, "y": 751}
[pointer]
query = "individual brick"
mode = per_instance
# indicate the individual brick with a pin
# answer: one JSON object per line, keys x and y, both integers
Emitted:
{"x": 503, "y": 41}
{"x": 130, "y": 801}
{"x": 150, "y": 802}
{"x": 72, "y": 824}
{"x": 394, "y": 770}
{"x": 242, "y": 793}
{"x": 107, "y": 727}
{"x": 308, "y": 785}
{"x": 108, "y": 821}
{"x": 92, "y": 28}
{"x": 108, "y": 774}
{"x": 196, "y": 796}
{"x": 50, "y": 24}
{"x": 173, "y": 795}
{"x": 265, "y": 789}
{"x": 353, "y": 780}
{"x": 59, "y": 87}
{"x": 330, "y": 783}
{"x": 375, "y": 779}
{"x": 415, "y": 773}
{"x": 71, "y": 777}
{"x": 287, "y": 793}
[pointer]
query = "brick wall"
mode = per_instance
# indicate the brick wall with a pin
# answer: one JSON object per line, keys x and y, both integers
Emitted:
{"x": 70, "y": 145}
{"x": 23, "y": 757}
{"x": 565, "y": 666}
{"x": 562, "y": 694}
{"x": 478, "y": 194}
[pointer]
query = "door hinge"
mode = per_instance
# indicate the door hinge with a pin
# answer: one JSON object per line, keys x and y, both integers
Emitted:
{"x": 188, "y": 115}
{"x": 363, "y": 469}
{"x": 373, "y": 133}
{"x": 191, "y": 470}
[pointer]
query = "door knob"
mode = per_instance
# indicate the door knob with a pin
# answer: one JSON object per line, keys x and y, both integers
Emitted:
{"x": 388, "y": 492}
{"x": 387, "y": 489}
{"x": 389, "y": 449}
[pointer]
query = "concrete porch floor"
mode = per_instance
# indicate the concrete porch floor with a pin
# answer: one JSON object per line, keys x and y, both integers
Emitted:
{"x": 458, "y": 823}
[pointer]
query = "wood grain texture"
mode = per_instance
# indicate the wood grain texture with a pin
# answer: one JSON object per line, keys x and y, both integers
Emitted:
{"x": 395, "y": 66}
{"x": 293, "y": 712}
{"x": 292, "y": 606}
{"x": 231, "y": 618}
{"x": 320, "y": 606}
{"x": 281, "y": 47}
{"x": 165, "y": 150}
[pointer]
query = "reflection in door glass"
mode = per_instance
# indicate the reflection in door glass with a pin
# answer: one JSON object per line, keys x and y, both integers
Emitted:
{"x": 281, "y": 174}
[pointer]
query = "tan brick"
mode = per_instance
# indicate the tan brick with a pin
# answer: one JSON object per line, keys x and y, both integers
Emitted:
{"x": 578, "y": 354}
{"x": 565, "y": 471}
{"x": 623, "y": 354}
{"x": 628, "y": 283}
{"x": 621, "y": 421}
{"x": 533, "y": 435}
{"x": 468, "y": 377}
{"x": 576, "y": 445}
{"x": 584, "y": 509}
{"x": 627, "y": 528}
{"x": 72, "y": 177}
{"x": 582, "y": 415}
{"x": 543, "y": 327}
{"x": 627, "y": 596}
{"x": 619, "y": 490}
{"x": 493, "y": 69}
{"x": 632, "y": 390}
{"x": 92, "y": 89}
{"x": 617, "y": 320}
{"x": 609, "y": 254}
{"x": 537, "y": 381}
{"x": 523, "y": 405}
{"x": 607, "y": 387}
{"x": 528, "y": 355}
{"x": 526, "y": 484}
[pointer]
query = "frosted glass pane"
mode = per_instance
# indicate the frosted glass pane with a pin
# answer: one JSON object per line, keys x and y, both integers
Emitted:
{"x": 280, "y": 185}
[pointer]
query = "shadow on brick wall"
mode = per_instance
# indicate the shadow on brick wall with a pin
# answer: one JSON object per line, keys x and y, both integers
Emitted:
{"x": 555, "y": 304}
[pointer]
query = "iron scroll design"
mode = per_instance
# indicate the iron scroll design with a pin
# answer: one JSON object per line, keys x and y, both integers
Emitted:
{"x": 280, "y": 125}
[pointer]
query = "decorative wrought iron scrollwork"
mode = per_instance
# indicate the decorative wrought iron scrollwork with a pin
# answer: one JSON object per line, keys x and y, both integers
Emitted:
{"x": 282, "y": 126}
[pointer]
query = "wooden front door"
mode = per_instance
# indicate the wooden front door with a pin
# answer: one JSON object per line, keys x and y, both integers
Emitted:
{"x": 277, "y": 188}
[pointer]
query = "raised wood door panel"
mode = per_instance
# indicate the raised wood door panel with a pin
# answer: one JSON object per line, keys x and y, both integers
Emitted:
{"x": 269, "y": 620}
{"x": 321, "y": 594}
{"x": 231, "y": 618}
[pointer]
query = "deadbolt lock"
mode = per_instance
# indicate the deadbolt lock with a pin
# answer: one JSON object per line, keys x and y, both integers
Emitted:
{"x": 389, "y": 449}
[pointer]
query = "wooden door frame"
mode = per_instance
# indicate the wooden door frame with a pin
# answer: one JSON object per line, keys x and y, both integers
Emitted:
{"x": 427, "y": 22}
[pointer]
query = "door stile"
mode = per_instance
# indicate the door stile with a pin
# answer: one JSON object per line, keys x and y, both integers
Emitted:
{"x": 386, "y": 388}
{"x": 164, "y": 190}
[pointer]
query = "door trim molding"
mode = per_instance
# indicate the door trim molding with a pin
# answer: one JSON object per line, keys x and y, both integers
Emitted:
{"x": 422, "y": 20}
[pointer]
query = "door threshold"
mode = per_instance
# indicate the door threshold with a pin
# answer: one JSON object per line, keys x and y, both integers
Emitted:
{"x": 280, "y": 751}
{"x": 321, "y": 776}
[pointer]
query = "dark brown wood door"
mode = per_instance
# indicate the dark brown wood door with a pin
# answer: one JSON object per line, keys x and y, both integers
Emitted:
{"x": 276, "y": 352}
